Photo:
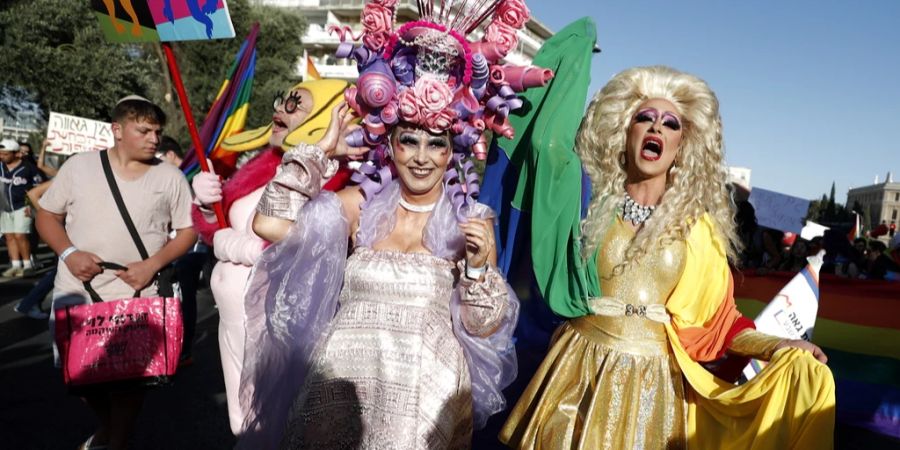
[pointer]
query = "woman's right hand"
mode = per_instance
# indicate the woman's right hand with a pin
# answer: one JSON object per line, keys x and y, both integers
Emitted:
{"x": 334, "y": 143}
{"x": 207, "y": 187}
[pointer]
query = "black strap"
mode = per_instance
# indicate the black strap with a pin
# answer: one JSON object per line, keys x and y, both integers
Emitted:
{"x": 104, "y": 265}
{"x": 111, "y": 180}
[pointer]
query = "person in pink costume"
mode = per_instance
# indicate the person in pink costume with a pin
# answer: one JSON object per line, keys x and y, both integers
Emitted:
{"x": 301, "y": 116}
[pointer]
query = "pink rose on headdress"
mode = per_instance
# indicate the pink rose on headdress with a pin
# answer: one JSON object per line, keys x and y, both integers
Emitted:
{"x": 440, "y": 121}
{"x": 375, "y": 41}
{"x": 503, "y": 35}
{"x": 377, "y": 19}
{"x": 390, "y": 113}
{"x": 432, "y": 94}
{"x": 406, "y": 103}
{"x": 385, "y": 3}
{"x": 513, "y": 13}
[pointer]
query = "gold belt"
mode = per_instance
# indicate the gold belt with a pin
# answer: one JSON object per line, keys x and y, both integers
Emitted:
{"x": 611, "y": 306}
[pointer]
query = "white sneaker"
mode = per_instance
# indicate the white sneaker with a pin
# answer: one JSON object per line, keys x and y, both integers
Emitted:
{"x": 34, "y": 313}
{"x": 12, "y": 272}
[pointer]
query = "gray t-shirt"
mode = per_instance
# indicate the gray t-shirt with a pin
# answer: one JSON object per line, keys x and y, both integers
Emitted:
{"x": 158, "y": 201}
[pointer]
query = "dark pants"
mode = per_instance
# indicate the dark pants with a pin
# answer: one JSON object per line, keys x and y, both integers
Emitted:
{"x": 37, "y": 294}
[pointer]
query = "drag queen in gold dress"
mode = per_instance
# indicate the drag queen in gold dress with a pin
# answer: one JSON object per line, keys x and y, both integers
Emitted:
{"x": 649, "y": 294}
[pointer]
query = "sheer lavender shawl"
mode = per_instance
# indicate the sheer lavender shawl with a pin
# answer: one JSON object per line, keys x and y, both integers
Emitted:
{"x": 293, "y": 295}
{"x": 492, "y": 360}
{"x": 290, "y": 299}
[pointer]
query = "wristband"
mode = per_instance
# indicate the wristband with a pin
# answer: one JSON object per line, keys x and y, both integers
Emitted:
{"x": 65, "y": 254}
{"x": 475, "y": 273}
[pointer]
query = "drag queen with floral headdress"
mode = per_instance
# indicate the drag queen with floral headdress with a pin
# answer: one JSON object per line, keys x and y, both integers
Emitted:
{"x": 301, "y": 115}
{"x": 648, "y": 292}
{"x": 420, "y": 348}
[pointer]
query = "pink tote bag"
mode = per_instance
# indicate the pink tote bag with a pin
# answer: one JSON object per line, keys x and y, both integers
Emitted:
{"x": 132, "y": 340}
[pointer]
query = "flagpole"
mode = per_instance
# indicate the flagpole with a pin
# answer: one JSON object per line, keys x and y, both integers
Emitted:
{"x": 192, "y": 126}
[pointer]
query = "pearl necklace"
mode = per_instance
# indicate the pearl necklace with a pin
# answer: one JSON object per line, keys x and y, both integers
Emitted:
{"x": 635, "y": 212}
{"x": 416, "y": 208}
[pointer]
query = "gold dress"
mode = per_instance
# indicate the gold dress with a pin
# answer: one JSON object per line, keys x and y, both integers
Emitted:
{"x": 610, "y": 381}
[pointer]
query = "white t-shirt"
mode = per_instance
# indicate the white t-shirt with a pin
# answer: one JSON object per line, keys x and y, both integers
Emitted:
{"x": 158, "y": 201}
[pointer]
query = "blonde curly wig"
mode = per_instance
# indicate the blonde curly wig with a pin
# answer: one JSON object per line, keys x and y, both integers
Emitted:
{"x": 696, "y": 182}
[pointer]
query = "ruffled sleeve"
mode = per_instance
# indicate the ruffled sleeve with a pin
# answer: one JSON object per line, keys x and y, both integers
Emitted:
{"x": 304, "y": 170}
{"x": 484, "y": 316}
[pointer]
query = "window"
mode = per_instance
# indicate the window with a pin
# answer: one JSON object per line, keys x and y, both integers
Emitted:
{"x": 894, "y": 215}
{"x": 897, "y": 196}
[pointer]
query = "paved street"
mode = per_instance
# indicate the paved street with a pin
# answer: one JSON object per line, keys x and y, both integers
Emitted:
{"x": 36, "y": 413}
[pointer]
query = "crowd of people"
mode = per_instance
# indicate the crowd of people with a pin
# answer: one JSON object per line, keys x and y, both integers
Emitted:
{"x": 767, "y": 249}
{"x": 363, "y": 308}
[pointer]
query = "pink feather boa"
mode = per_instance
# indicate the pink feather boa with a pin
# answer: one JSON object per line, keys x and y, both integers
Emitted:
{"x": 250, "y": 177}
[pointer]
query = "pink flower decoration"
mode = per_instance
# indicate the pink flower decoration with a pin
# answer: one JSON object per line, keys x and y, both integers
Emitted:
{"x": 377, "y": 19}
{"x": 385, "y": 3}
{"x": 375, "y": 41}
{"x": 350, "y": 98}
{"x": 390, "y": 113}
{"x": 513, "y": 13}
{"x": 432, "y": 94}
{"x": 440, "y": 121}
{"x": 504, "y": 36}
{"x": 406, "y": 103}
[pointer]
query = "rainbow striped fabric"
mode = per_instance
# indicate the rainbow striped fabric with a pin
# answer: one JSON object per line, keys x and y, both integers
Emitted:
{"x": 858, "y": 327}
{"x": 228, "y": 113}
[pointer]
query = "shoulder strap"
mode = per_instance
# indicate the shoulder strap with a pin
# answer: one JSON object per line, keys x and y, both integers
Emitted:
{"x": 111, "y": 180}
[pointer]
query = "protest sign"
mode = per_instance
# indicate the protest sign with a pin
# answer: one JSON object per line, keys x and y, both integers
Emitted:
{"x": 779, "y": 211}
{"x": 163, "y": 20}
{"x": 72, "y": 134}
{"x": 792, "y": 313}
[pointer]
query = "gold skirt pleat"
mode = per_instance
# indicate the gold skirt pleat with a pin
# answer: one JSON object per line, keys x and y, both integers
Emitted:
{"x": 598, "y": 391}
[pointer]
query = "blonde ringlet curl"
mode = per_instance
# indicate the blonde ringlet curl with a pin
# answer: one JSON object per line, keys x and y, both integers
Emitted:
{"x": 697, "y": 182}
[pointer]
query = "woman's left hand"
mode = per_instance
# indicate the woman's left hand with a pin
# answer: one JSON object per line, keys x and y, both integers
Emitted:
{"x": 479, "y": 242}
{"x": 804, "y": 345}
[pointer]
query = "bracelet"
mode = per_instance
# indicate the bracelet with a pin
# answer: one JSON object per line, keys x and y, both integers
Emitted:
{"x": 65, "y": 254}
{"x": 475, "y": 273}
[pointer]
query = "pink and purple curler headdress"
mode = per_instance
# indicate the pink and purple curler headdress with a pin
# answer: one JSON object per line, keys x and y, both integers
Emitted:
{"x": 428, "y": 73}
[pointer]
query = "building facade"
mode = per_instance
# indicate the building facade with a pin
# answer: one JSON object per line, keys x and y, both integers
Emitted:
{"x": 879, "y": 202}
{"x": 320, "y": 45}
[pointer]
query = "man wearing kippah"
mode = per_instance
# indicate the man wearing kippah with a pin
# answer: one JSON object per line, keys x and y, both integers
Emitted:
{"x": 80, "y": 221}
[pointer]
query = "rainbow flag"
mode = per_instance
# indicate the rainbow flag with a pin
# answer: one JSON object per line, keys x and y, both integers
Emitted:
{"x": 228, "y": 113}
{"x": 858, "y": 327}
{"x": 855, "y": 231}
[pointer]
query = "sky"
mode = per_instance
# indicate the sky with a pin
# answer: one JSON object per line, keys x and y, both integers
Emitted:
{"x": 809, "y": 91}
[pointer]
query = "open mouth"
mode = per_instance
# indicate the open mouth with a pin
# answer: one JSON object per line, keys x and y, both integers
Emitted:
{"x": 652, "y": 148}
{"x": 278, "y": 124}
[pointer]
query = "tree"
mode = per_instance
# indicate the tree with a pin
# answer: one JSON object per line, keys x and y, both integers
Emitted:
{"x": 831, "y": 212}
{"x": 55, "y": 55}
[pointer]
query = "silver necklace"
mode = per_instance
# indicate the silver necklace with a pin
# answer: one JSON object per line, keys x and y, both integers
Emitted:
{"x": 416, "y": 208}
{"x": 635, "y": 212}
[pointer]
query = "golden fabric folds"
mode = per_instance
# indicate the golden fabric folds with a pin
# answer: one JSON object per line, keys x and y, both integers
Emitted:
{"x": 754, "y": 344}
{"x": 619, "y": 381}
{"x": 790, "y": 404}
{"x": 610, "y": 381}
